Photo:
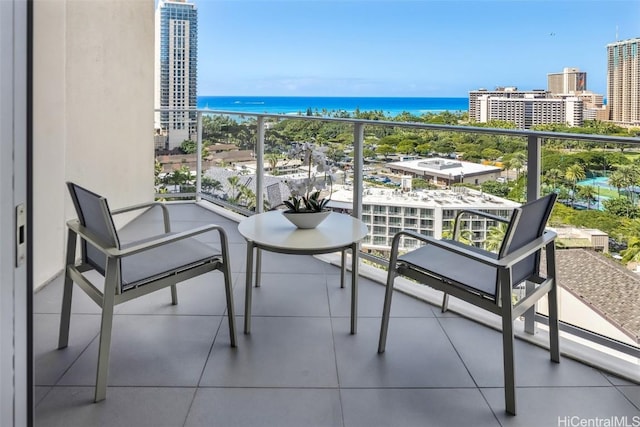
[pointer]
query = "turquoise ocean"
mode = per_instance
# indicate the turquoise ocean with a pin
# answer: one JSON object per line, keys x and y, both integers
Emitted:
{"x": 300, "y": 104}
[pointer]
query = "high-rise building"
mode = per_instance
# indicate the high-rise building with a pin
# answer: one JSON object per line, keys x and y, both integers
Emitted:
{"x": 568, "y": 81}
{"x": 530, "y": 111}
{"x": 502, "y": 92}
{"x": 176, "y": 55}
{"x": 623, "y": 81}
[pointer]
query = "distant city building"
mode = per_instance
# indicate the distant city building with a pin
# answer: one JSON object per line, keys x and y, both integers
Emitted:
{"x": 445, "y": 172}
{"x": 176, "y": 53}
{"x": 568, "y": 81}
{"x": 430, "y": 212}
{"x": 531, "y": 111}
{"x": 503, "y": 92}
{"x": 623, "y": 81}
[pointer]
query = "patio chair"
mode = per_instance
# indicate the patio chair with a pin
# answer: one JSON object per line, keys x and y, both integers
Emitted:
{"x": 487, "y": 280}
{"x": 134, "y": 269}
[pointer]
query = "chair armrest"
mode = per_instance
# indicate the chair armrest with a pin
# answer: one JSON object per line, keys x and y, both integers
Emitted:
{"x": 440, "y": 243}
{"x": 165, "y": 212}
{"x": 482, "y": 214}
{"x": 505, "y": 262}
{"x": 75, "y": 226}
{"x": 134, "y": 247}
{"x": 476, "y": 213}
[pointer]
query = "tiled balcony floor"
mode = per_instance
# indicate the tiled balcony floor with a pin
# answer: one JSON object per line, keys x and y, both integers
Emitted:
{"x": 173, "y": 366}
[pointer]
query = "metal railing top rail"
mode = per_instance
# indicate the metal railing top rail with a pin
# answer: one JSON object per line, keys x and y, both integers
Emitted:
{"x": 430, "y": 126}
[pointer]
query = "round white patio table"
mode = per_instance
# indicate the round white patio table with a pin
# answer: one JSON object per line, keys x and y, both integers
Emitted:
{"x": 271, "y": 231}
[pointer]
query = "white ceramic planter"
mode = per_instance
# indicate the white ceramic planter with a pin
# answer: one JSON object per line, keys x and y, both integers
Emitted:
{"x": 306, "y": 219}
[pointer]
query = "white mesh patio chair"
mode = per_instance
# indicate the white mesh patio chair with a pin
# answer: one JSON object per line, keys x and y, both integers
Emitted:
{"x": 487, "y": 280}
{"x": 134, "y": 269}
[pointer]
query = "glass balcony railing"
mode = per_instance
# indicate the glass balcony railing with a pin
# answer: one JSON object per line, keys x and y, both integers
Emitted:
{"x": 242, "y": 163}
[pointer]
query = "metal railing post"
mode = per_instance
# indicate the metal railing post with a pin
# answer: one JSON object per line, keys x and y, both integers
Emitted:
{"x": 534, "y": 167}
{"x": 260, "y": 165}
{"x": 199, "y": 158}
{"x": 358, "y": 166}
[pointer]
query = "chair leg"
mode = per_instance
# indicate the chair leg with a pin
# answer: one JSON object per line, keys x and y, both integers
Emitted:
{"x": 65, "y": 315}
{"x": 67, "y": 295}
{"x": 106, "y": 326}
{"x": 228, "y": 289}
{"x": 554, "y": 333}
{"x": 174, "y": 295}
{"x": 445, "y": 302}
{"x": 507, "y": 344}
{"x": 386, "y": 310}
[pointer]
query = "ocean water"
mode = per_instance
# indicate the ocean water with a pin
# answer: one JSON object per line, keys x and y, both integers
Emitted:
{"x": 300, "y": 104}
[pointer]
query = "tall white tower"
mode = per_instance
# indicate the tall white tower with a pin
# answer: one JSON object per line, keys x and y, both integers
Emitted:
{"x": 176, "y": 55}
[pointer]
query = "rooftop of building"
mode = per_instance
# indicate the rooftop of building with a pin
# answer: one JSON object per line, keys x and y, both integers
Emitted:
{"x": 587, "y": 275}
{"x": 455, "y": 198}
{"x": 443, "y": 167}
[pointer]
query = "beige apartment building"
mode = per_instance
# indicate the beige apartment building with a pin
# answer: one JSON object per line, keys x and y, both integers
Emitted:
{"x": 568, "y": 81}
{"x": 503, "y": 92}
{"x": 623, "y": 81}
{"x": 530, "y": 111}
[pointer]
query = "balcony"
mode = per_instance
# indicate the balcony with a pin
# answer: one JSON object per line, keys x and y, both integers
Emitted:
{"x": 300, "y": 366}
{"x": 173, "y": 366}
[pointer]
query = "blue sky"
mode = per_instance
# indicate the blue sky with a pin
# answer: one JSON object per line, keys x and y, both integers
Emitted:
{"x": 403, "y": 48}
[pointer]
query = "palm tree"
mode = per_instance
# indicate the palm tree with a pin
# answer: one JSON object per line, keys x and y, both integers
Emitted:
{"x": 234, "y": 184}
{"x": 553, "y": 175}
{"x": 247, "y": 196}
{"x": 210, "y": 185}
{"x": 573, "y": 174}
{"x": 632, "y": 179}
{"x": 618, "y": 180}
{"x": 518, "y": 160}
{"x": 632, "y": 253}
{"x": 465, "y": 235}
{"x": 273, "y": 159}
{"x": 495, "y": 236}
{"x": 588, "y": 193}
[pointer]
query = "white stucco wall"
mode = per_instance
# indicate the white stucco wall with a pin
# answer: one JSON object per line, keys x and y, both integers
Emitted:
{"x": 93, "y": 112}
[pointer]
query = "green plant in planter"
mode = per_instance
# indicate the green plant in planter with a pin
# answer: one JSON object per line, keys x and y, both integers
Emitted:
{"x": 312, "y": 203}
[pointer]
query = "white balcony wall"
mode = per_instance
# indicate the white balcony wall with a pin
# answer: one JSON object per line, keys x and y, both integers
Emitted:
{"x": 92, "y": 112}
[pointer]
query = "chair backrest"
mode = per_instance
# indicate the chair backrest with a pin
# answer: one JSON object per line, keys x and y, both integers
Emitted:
{"x": 527, "y": 224}
{"x": 274, "y": 196}
{"x": 94, "y": 214}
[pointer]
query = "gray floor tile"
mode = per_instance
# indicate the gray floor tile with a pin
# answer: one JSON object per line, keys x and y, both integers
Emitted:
{"x": 39, "y": 393}
{"x": 287, "y": 295}
{"x": 152, "y": 351}
{"x": 617, "y": 380}
{"x": 278, "y": 263}
{"x": 279, "y": 352}
{"x": 124, "y": 407}
{"x": 633, "y": 394}
{"x": 562, "y": 406}
{"x": 481, "y": 349}
{"x": 265, "y": 408}
{"x": 416, "y": 408}
{"x": 371, "y": 299}
{"x": 51, "y": 363}
{"x": 418, "y": 354}
{"x": 49, "y": 298}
